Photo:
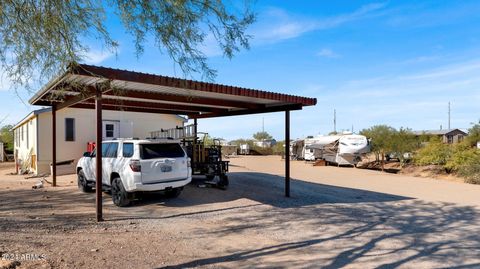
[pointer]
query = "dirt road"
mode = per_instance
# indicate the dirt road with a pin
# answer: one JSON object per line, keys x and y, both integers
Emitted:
{"x": 336, "y": 218}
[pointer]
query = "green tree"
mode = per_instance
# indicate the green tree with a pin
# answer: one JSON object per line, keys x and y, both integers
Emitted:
{"x": 279, "y": 148}
{"x": 381, "y": 140}
{"x": 6, "y": 136}
{"x": 473, "y": 135}
{"x": 41, "y": 38}
{"x": 403, "y": 141}
{"x": 262, "y": 136}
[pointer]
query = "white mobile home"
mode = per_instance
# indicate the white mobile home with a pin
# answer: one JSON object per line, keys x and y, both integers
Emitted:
{"x": 75, "y": 128}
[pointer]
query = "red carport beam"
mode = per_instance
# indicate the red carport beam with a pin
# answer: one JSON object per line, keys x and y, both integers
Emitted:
{"x": 185, "y": 99}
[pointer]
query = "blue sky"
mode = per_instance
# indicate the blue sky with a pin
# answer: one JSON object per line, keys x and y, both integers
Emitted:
{"x": 396, "y": 62}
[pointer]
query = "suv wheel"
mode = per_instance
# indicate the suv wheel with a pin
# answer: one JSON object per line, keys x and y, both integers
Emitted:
{"x": 173, "y": 193}
{"x": 120, "y": 196}
{"x": 82, "y": 182}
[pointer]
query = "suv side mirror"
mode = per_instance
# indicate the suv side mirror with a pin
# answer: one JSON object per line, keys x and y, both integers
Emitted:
{"x": 87, "y": 154}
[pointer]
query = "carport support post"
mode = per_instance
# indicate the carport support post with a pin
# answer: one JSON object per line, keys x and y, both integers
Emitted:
{"x": 98, "y": 146}
{"x": 54, "y": 145}
{"x": 194, "y": 145}
{"x": 287, "y": 153}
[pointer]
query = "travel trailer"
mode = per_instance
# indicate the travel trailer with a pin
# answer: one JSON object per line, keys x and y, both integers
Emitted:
{"x": 296, "y": 149}
{"x": 345, "y": 149}
{"x": 310, "y": 153}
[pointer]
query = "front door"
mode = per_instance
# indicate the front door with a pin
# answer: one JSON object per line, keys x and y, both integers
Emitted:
{"x": 111, "y": 129}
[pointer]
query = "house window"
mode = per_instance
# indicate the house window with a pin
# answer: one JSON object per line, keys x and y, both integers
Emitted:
{"x": 460, "y": 138}
{"x": 69, "y": 129}
{"x": 450, "y": 139}
{"x": 109, "y": 130}
{"x": 22, "y": 132}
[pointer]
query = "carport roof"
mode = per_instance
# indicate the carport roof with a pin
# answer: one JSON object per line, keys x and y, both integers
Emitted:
{"x": 140, "y": 92}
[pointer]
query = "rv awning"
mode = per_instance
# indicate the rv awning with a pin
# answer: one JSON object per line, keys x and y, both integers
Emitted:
{"x": 141, "y": 92}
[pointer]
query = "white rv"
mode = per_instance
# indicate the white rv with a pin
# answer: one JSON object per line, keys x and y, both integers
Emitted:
{"x": 345, "y": 149}
{"x": 310, "y": 153}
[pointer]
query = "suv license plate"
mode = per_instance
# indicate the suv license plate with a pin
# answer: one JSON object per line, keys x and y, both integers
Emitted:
{"x": 166, "y": 169}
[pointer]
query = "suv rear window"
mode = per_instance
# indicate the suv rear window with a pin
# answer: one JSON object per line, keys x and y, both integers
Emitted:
{"x": 153, "y": 151}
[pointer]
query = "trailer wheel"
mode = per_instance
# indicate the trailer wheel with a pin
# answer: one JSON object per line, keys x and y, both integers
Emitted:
{"x": 223, "y": 183}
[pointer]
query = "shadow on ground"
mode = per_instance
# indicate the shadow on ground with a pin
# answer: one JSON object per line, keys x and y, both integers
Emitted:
{"x": 320, "y": 224}
{"x": 269, "y": 189}
{"x": 67, "y": 206}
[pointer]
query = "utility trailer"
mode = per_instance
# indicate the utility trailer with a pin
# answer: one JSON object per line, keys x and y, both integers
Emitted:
{"x": 206, "y": 159}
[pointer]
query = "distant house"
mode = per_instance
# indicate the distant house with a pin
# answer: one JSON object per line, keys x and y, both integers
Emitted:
{"x": 75, "y": 128}
{"x": 448, "y": 136}
{"x": 268, "y": 143}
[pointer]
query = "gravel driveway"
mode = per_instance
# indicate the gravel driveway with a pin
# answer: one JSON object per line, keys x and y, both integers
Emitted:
{"x": 336, "y": 218}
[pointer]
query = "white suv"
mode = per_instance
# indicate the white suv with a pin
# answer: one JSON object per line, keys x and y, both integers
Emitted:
{"x": 132, "y": 165}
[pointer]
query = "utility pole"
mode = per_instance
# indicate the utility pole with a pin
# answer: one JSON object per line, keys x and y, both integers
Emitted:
{"x": 335, "y": 121}
{"x": 448, "y": 115}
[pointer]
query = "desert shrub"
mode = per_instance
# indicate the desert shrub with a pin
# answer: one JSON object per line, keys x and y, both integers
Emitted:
{"x": 263, "y": 151}
{"x": 470, "y": 170}
{"x": 435, "y": 152}
{"x": 462, "y": 154}
{"x": 279, "y": 149}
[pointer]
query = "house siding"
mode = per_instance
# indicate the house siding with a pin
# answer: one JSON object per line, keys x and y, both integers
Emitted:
{"x": 25, "y": 145}
{"x": 132, "y": 124}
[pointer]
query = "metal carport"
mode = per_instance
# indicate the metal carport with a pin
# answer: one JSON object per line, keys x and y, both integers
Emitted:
{"x": 100, "y": 88}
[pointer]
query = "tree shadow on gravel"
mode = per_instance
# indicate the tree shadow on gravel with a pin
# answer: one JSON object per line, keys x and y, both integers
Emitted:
{"x": 394, "y": 234}
{"x": 269, "y": 189}
{"x": 46, "y": 209}
{"x": 259, "y": 188}
{"x": 52, "y": 207}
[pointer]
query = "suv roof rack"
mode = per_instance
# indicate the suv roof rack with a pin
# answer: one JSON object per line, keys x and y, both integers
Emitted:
{"x": 126, "y": 138}
{"x": 160, "y": 138}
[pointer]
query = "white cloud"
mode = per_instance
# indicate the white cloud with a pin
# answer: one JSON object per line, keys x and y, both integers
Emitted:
{"x": 94, "y": 56}
{"x": 417, "y": 99}
{"x": 328, "y": 53}
{"x": 277, "y": 25}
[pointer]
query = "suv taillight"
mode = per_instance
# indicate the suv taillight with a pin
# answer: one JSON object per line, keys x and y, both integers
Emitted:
{"x": 135, "y": 166}
{"x": 189, "y": 162}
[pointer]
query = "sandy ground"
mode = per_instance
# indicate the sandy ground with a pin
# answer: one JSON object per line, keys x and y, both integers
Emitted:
{"x": 336, "y": 218}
